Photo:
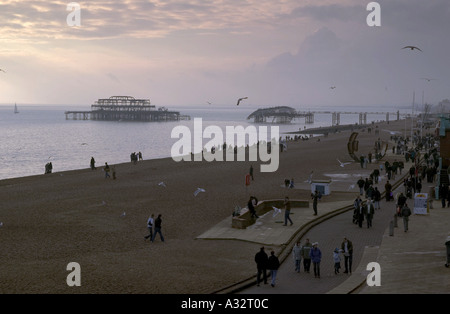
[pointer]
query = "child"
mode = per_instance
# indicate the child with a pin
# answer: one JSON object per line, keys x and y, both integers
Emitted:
{"x": 337, "y": 260}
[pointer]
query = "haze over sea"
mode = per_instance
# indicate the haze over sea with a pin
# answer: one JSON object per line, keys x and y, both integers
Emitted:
{"x": 41, "y": 134}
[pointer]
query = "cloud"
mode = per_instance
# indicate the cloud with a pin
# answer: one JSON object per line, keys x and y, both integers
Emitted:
{"x": 330, "y": 12}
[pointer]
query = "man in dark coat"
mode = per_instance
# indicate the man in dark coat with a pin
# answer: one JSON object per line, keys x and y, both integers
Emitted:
{"x": 273, "y": 265}
{"x": 261, "y": 260}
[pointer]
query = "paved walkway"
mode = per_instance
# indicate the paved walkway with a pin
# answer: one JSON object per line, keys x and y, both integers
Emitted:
{"x": 411, "y": 262}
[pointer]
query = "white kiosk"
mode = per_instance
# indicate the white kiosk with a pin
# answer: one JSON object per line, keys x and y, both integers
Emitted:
{"x": 322, "y": 186}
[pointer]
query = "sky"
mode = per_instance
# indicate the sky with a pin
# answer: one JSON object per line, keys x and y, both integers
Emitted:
{"x": 190, "y": 52}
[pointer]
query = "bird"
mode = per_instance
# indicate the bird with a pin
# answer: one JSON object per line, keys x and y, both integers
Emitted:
{"x": 352, "y": 186}
{"x": 342, "y": 164}
{"x": 1, "y": 224}
{"x": 1, "y": 70}
{"x": 276, "y": 211}
{"x": 123, "y": 214}
{"x": 310, "y": 177}
{"x": 412, "y": 48}
{"x": 241, "y": 99}
{"x": 198, "y": 191}
{"x": 162, "y": 184}
{"x": 208, "y": 102}
{"x": 332, "y": 87}
{"x": 428, "y": 79}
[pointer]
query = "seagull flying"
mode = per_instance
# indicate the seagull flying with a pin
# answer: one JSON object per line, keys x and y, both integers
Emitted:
{"x": 342, "y": 164}
{"x": 428, "y": 79}
{"x": 276, "y": 211}
{"x": 240, "y": 99}
{"x": 123, "y": 214}
{"x": 412, "y": 48}
{"x": 352, "y": 186}
{"x": 1, "y": 70}
{"x": 162, "y": 184}
{"x": 198, "y": 191}
{"x": 310, "y": 177}
{"x": 332, "y": 87}
{"x": 208, "y": 102}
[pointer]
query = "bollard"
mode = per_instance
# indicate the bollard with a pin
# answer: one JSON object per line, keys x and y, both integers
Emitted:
{"x": 391, "y": 228}
{"x": 395, "y": 221}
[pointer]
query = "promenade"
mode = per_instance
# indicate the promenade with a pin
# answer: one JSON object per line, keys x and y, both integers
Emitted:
{"x": 410, "y": 262}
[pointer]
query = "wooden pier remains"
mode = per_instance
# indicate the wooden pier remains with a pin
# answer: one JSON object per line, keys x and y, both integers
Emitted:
{"x": 125, "y": 108}
{"x": 284, "y": 114}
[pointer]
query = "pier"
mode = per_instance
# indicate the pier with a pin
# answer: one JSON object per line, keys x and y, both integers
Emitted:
{"x": 281, "y": 114}
{"x": 125, "y": 108}
{"x": 285, "y": 114}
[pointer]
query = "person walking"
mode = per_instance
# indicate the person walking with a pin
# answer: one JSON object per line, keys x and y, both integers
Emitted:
{"x": 361, "y": 183}
{"x": 360, "y": 213}
{"x": 158, "y": 222}
{"x": 316, "y": 257}
{"x": 347, "y": 249}
{"x": 376, "y": 198}
{"x": 388, "y": 189}
{"x": 273, "y": 265}
{"x": 261, "y": 260}
{"x": 150, "y": 223}
{"x": 287, "y": 211}
{"x": 93, "y": 163}
{"x": 337, "y": 260}
{"x": 406, "y": 212}
{"x": 315, "y": 198}
{"x": 251, "y": 206}
{"x": 297, "y": 255}
{"x": 369, "y": 213}
{"x": 306, "y": 249}
{"x": 106, "y": 169}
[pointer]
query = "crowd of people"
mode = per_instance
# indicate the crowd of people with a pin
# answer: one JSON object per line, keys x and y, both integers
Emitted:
{"x": 306, "y": 254}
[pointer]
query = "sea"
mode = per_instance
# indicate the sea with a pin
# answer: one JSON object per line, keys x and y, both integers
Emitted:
{"x": 40, "y": 134}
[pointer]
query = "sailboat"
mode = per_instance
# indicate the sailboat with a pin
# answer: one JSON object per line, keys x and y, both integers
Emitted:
{"x": 15, "y": 109}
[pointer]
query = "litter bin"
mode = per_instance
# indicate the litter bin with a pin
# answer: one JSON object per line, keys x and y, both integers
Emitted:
{"x": 447, "y": 244}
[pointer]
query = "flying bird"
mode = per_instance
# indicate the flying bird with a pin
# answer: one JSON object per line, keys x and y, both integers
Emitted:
{"x": 276, "y": 211}
{"x": 241, "y": 99}
{"x": 332, "y": 87}
{"x": 1, "y": 70}
{"x": 412, "y": 48}
{"x": 428, "y": 79}
{"x": 208, "y": 102}
{"x": 352, "y": 186}
{"x": 123, "y": 214}
{"x": 310, "y": 177}
{"x": 198, "y": 191}
{"x": 342, "y": 164}
{"x": 162, "y": 184}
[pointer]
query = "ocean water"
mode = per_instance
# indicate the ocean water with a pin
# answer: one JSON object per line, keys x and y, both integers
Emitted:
{"x": 41, "y": 134}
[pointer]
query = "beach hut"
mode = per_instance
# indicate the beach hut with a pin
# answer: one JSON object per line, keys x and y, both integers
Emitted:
{"x": 322, "y": 186}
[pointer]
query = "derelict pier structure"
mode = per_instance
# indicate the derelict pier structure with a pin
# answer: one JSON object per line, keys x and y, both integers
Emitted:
{"x": 125, "y": 108}
{"x": 286, "y": 114}
{"x": 281, "y": 114}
